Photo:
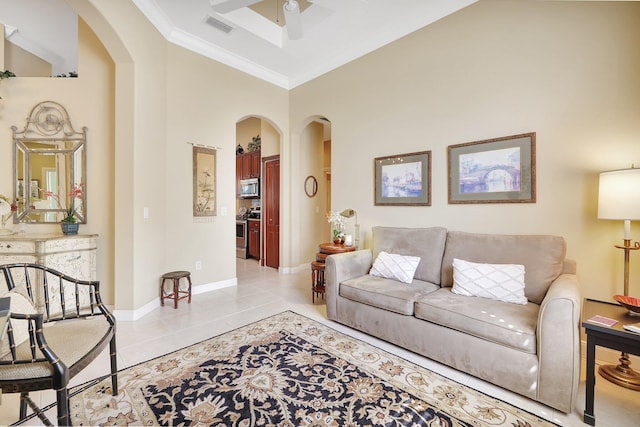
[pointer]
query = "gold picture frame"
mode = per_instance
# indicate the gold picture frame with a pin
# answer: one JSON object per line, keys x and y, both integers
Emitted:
{"x": 498, "y": 170}
{"x": 403, "y": 179}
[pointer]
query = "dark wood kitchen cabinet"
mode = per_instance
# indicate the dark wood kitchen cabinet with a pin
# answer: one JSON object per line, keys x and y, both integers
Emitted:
{"x": 254, "y": 238}
{"x": 255, "y": 164}
{"x": 238, "y": 174}
{"x": 248, "y": 165}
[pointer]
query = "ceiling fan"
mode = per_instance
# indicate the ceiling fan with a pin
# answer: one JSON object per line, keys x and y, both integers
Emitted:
{"x": 291, "y": 10}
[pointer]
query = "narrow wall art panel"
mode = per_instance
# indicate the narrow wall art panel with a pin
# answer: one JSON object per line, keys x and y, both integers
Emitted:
{"x": 204, "y": 181}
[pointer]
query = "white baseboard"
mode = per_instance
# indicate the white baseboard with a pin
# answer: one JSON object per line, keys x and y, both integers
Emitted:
{"x": 132, "y": 315}
{"x": 294, "y": 270}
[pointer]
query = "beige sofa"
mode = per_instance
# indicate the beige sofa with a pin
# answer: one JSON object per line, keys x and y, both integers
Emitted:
{"x": 531, "y": 349}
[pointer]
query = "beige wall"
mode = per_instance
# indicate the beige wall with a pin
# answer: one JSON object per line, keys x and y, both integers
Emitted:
{"x": 89, "y": 101}
{"x": 178, "y": 97}
{"x": 247, "y": 129}
{"x": 24, "y": 63}
{"x": 212, "y": 98}
{"x": 310, "y": 210}
{"x": 566, "y": 70}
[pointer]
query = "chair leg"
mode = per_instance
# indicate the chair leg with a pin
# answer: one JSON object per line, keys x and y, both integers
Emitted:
{"x": 189, "y": 279}
{"x": 26, "y": 400}
{"x": 114, "y": 366}
{"x": 64, "y": 418}
{"x": 176, "y": 288}
{"x": 23, "y": 404}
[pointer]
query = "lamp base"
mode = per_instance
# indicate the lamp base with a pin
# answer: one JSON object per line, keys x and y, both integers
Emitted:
{"x": 621, "y": 374}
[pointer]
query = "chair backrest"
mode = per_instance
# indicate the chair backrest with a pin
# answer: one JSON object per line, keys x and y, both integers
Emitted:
{"x": 34, "y": 357}
{"x": 54, "y": 294}
{"x": 44, "y": 295}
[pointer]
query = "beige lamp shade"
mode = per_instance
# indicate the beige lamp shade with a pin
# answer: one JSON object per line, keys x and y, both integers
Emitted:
{"x": 619, "y": 194}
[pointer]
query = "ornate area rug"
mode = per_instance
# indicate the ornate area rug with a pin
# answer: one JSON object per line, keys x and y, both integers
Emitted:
{"x": 287, "y": 370}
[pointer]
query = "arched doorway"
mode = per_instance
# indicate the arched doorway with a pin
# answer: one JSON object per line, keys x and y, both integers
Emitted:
{"x": 258, "y": 143}
{"x": 313, "y": 159}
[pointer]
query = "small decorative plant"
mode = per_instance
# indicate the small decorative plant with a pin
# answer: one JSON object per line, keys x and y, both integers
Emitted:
{"x": 5, "y": 75}
{"x": 76, "y": 194}
{"x": 337, "y": 222}
{"x": 255, "y": 143}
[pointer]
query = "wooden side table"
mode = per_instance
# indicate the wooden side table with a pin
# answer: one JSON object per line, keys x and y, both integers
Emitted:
{"x": 317, "y": 266}
{"x": 614, "y": 337}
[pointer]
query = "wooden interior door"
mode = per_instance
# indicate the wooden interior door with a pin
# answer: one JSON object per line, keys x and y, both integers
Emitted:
{"x": 271, "y": 213}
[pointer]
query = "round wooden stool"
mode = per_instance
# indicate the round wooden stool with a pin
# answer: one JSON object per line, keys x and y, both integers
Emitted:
{"x": 178, "y": 293}
{"x": 317, "y": 280}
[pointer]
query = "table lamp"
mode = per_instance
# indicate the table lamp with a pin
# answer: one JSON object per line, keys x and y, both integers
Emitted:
{"x": 619, "y": 199}
{"x": 348, "y": 213}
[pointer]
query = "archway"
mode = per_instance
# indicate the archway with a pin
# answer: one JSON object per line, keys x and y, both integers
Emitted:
{"x": 257, "y": 217}
{"x": 311, "y": 148}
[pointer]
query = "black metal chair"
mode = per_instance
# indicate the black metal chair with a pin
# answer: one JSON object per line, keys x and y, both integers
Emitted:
{"x": 57, "y": 326}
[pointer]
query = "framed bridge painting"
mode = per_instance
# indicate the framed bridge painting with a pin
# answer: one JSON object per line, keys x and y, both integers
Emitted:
{"x": 499, "y": 170}
{"x": 403, "y": 179}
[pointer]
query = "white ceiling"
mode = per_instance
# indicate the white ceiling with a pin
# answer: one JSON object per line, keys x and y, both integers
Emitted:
{"x": 46, "y": 28}
{"x": 335, "y": 32}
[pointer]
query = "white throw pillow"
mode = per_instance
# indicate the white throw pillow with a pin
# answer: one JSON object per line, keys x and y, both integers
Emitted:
{"x": 503, "y": 282}
{"x": 394, "y": 266}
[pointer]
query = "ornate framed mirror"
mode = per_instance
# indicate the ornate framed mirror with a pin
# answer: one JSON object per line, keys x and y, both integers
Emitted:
{"x": 49, "y": 167}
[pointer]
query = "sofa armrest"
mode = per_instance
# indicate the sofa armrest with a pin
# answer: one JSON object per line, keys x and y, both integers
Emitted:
{"x": 558, "y": 337}
{"x": 341, "y": 267}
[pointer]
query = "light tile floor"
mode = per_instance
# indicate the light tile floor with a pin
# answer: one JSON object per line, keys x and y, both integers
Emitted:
{"x": 262, "y": 292}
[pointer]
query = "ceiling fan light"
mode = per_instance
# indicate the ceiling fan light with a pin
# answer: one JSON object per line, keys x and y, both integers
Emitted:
{"x": 292, "y": 18}
{"x": 291, "y": 6}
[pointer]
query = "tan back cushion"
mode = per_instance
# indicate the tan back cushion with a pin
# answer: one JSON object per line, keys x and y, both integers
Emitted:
{"x": 426, "y": 243}
{"x": 542, "y": 257}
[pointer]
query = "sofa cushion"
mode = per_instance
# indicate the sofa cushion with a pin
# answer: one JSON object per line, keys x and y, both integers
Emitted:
{"x": 542, "y": 257}
{"x": 511, "y": 325}
{"x": 394, "y": 266}
{"x": 384, "y": 293}
{"x": 502, "y": 282}
{"x": 426, "y": 243}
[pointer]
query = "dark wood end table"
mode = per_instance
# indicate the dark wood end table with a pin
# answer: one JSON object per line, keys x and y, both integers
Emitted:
{"x": 614, "y": 337}
{"x": 317, "y": 267}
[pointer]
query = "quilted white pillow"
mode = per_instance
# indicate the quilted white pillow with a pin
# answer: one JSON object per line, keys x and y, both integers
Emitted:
{"x": 394, "y": 266}
{"x": 503, "y": 282}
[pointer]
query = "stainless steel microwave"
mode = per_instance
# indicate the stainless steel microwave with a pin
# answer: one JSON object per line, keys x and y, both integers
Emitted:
{"x": 249, "y": 188}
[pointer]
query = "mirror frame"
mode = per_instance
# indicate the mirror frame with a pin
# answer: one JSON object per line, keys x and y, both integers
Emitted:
{"x": 310, "y": 186}
{"x": 49, "y": 123}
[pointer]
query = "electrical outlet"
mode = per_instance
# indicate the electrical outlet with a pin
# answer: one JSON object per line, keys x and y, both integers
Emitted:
{"x": 198, "y": 265}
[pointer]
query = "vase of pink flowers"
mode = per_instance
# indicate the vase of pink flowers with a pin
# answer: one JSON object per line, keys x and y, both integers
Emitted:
{"x": 69, "y": 222}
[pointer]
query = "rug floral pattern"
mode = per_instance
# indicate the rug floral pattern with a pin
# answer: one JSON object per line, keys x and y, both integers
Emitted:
{"x": 288, "y": 370}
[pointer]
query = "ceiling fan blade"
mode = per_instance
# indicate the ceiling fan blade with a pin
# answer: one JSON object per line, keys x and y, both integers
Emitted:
{"x": 293, "y": 19}
{"x": 226, "y": 6}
